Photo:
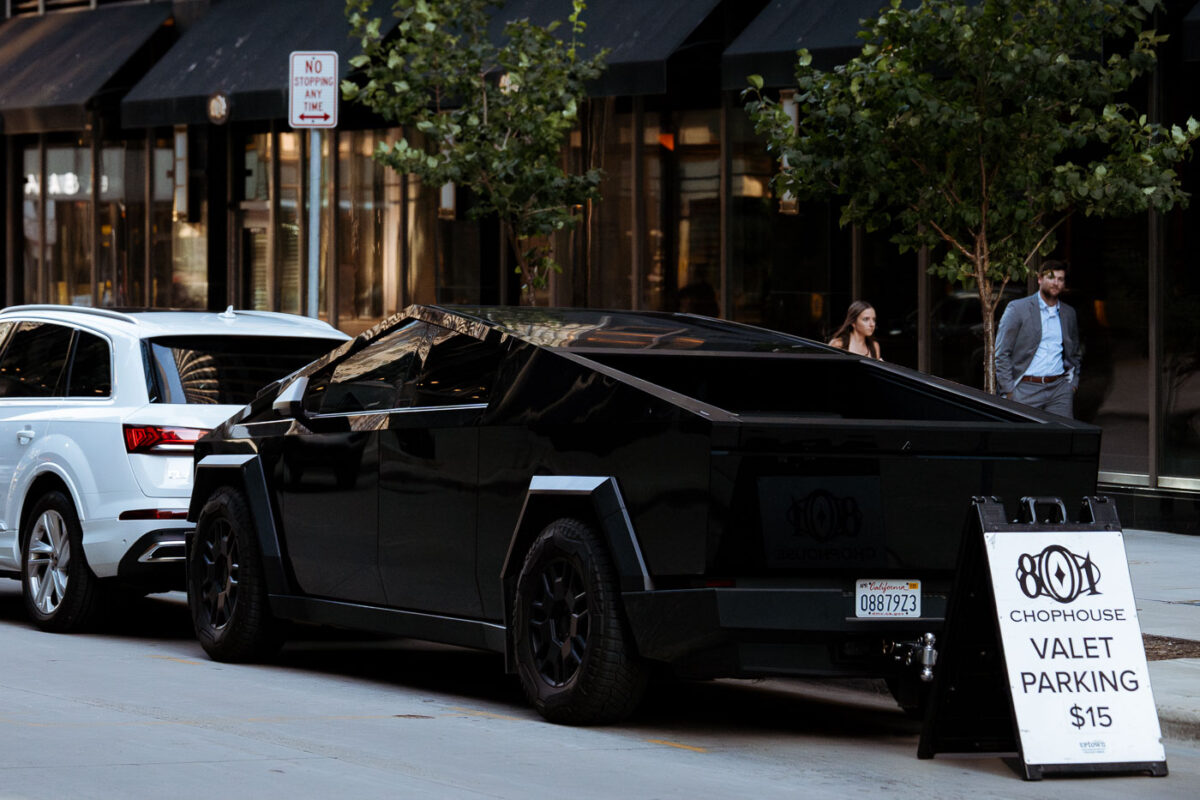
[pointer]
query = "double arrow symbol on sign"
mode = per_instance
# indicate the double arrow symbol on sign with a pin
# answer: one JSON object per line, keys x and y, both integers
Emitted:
{"x": 314, "y": 116}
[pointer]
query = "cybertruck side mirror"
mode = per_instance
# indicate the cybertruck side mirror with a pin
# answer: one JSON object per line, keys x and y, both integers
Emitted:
{"x": 289, "y": 401}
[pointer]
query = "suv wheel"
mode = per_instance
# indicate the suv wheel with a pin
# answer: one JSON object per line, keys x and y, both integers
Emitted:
{"x": 60, "y": 591}
{"x": 226, "y": 585}
{"x": 574, "y": 653}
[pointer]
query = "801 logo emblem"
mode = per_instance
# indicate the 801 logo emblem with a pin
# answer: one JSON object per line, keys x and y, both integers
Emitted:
{"x": 1057, "y": 573}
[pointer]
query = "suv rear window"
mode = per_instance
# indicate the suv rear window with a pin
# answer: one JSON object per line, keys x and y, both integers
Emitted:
{"x": 226, "y": 370}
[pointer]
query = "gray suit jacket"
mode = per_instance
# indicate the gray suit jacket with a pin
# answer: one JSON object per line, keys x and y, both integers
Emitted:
{"x": 1020, "y": 334}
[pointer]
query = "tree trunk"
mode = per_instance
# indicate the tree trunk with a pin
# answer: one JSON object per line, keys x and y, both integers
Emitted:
{"x": 509, "y": 234}
{"x": 989, "y": 298}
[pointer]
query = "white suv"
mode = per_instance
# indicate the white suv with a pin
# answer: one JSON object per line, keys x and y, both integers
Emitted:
{"x": 98, "y": 413}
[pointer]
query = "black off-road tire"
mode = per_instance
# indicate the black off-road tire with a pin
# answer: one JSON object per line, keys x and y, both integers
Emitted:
{"x": 61, "y": 594}
{"x": 575, "y": 656}
{"x": 226, "y": 584}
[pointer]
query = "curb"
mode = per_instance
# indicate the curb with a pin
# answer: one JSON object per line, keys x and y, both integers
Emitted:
{"x": 1176, "y": 686}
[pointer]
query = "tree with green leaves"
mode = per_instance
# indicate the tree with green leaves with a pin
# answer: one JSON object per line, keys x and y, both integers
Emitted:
{"x": 978, "y": 128}
{"x": 489, "y": 117}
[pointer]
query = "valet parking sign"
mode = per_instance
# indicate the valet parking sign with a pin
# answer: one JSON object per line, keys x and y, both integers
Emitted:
{"x": 1073, "y": 649}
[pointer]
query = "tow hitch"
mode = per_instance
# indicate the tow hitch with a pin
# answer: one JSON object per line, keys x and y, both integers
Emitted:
{"x": 921, "y": 651}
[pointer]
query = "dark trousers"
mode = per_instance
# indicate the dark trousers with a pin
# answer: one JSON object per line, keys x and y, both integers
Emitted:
{"x": 1055, "y": 398}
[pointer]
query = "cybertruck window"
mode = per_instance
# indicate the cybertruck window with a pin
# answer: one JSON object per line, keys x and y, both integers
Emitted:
{"x": 418, "y": 365}
{"x": 377, "y": 377}
{"x": 459, "y": 370}
{"x": 226, "y": 370}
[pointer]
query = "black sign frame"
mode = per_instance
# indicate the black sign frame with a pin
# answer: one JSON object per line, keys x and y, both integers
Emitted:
{"x": 971, "y": 707}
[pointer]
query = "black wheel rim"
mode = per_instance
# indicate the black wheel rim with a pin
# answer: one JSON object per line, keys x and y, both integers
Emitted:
{"x": 218, "y": 568}
{"x": 558, "y": 621}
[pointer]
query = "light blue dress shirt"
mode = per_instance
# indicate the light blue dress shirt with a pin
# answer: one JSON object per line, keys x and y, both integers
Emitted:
{"x": 1048, "y": 361}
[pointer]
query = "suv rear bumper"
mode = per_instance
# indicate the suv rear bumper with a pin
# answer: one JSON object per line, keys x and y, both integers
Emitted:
{"x": 117, "y": 547}
{"x": 156, "y": 560}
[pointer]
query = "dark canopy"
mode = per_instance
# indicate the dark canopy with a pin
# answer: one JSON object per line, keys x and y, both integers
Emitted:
{"x": 55, "y": 68}
{"x": 826, "y": 28}
{"x": 640, "y": 36}
{"x": 240, "y": 48}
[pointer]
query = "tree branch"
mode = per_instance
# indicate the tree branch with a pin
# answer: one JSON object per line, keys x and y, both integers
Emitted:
{"x": 1045, "y": 236}
{"x": 951, "y": 240}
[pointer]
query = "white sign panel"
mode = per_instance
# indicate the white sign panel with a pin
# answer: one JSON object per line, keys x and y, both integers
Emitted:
{"x": 312, "y": 89}
{"x": 1073, "y": 648}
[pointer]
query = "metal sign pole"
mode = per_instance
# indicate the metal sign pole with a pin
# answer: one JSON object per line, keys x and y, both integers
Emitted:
{"x": 314, "y": 222}
{"x": 313, "y": 104}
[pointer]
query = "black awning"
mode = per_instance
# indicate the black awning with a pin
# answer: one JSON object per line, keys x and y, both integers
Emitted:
{"x": 240, "y": 48}
{"x": 55, "y": 68}
{"x": 641, "y": 35}
{"x": 827, "y": 28}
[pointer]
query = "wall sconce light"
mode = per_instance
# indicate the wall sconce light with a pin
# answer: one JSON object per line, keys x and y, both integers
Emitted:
{"x": 180, "y": 173}
{"x": 787, "y": 98}
{"x": 446, "y": 202}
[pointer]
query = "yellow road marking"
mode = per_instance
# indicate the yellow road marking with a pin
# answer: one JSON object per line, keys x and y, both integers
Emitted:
{"x": 178, "y": 660}
{"x": 475, "y": 713}
{"x": 678, "y": 745}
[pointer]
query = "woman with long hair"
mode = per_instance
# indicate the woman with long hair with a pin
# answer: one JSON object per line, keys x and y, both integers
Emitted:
{"x": 857, "y": 333}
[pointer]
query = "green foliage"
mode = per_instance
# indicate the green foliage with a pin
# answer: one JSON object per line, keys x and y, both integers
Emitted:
{"x": 978, "y": 128}
{"x": 491, "y": 118}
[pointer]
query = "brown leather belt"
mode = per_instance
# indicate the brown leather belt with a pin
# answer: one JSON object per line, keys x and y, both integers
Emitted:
{"x": 1042, "y": 378}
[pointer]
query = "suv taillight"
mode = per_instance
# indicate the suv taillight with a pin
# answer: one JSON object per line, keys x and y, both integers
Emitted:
{"x": 161, "y": 439}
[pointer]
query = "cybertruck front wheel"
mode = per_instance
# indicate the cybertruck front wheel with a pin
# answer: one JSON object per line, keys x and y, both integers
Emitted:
{"x": 226, "y": 584}
{"x": 575, "y": 656}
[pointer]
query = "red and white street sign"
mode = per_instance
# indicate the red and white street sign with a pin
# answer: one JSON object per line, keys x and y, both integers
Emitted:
{"x": 312, "y": 89}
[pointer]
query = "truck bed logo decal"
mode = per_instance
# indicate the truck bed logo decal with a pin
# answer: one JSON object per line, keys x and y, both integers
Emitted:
{"x": 821, "y": 516}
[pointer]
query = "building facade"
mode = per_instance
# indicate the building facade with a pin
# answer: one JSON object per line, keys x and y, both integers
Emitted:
{"x": 148, "y": 162}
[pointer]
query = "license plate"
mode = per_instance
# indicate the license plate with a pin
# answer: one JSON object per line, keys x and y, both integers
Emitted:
{"x": 886, "y": 597}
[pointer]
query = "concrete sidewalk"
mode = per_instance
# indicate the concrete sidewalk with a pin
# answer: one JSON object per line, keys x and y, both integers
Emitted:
{"x": 1165, "y": 571}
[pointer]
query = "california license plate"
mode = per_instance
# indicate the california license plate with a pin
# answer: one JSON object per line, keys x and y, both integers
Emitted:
{"x": 886, "y": 597}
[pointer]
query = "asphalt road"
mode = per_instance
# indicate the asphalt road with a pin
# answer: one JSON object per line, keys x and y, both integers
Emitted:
{"x": 138, "y": 711}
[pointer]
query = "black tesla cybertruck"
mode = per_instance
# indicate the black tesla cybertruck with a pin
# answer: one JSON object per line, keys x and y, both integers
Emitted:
{"x": 594, "y": 493}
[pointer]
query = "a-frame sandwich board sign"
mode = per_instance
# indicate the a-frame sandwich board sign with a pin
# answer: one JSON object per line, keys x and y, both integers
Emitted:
{"x": 1042, "y": 655}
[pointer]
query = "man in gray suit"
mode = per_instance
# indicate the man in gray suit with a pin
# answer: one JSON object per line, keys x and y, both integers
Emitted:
{"x": 1037, "y": 347}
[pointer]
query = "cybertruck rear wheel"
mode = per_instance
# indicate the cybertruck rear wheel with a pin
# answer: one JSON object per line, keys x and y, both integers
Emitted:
{"x": 61, "y": 593}
{"x": 575, "y": 656}
{"x": 226, "y": 585}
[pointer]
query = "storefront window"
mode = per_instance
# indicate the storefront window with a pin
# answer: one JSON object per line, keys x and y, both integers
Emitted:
{"x": 255, "y": 221}
{"x": 68, "y": 181}
{"x": 422, "y": 241}
{"x": 658, "y": 144}
{"x": 287, "y": 225}
{"x": 611, "y": 238}
{"x": 780, "y": 271}
{"x": 368, "y": 231}
{"x": 31, "y": 222}
{"x": 697, "y": 211}
{"x": 1181, "y": 354}
{"x": 1107, "y": 286}
{"x": 122, "y": 213}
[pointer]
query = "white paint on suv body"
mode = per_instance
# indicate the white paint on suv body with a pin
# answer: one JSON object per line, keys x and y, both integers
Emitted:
{"x": 81, "y": 440}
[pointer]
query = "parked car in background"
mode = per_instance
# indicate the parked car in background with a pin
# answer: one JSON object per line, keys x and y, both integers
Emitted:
{"x": 956, "y": 349}
{"x": 98, "y": 413}
{"x": 593, "y": 492}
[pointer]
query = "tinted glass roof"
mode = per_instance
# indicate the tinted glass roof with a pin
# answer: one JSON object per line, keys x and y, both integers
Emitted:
{"x": 587, "y": 329}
